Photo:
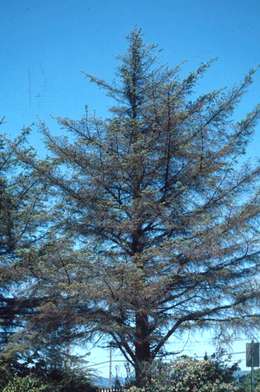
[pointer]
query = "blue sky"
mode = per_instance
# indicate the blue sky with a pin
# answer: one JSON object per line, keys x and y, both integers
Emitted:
{"x": 45, "y": 46}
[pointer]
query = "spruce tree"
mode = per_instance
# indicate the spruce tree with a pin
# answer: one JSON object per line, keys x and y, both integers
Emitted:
{"x": 161, "y": 206}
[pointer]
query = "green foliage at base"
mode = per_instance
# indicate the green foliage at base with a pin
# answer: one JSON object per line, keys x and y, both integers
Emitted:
{"x": 190, "y": 375}
{"x": 246, "y": 381}
{"x": 25, "y": 384}
{"x": 17, "y": 376}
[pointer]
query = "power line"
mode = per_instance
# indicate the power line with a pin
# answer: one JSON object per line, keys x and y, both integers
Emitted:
{"x": 106, "y": 362}
{"x": 124, "y": 361}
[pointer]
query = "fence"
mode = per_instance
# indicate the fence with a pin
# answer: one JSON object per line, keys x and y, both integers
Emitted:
{"x": 111, "y": 389}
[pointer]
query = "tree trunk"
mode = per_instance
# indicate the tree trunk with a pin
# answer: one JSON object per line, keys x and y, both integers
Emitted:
{"x": 142, "y": 349}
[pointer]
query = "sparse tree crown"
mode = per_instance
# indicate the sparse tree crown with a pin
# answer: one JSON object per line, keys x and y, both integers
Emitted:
{"x": 161, "y": 207}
